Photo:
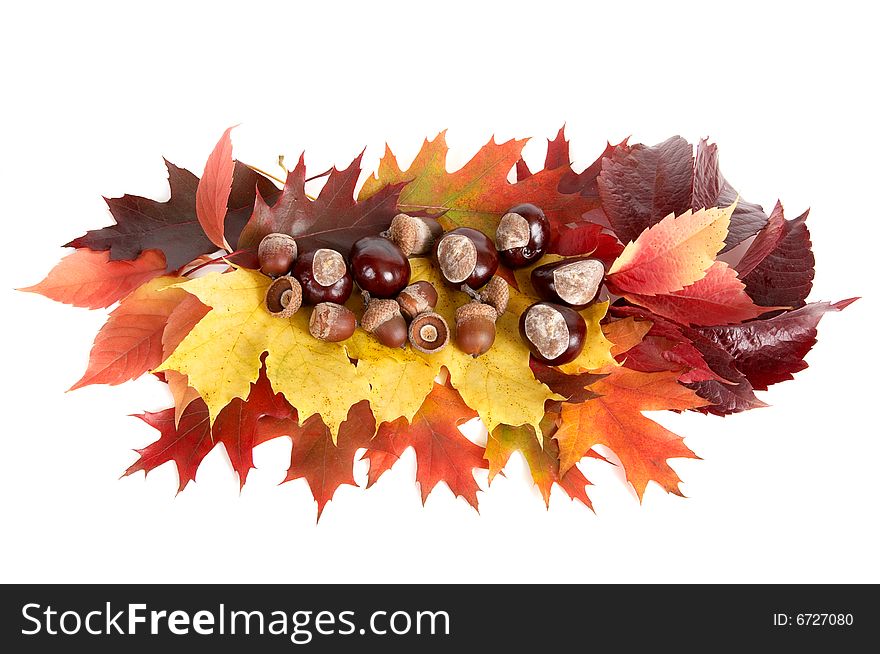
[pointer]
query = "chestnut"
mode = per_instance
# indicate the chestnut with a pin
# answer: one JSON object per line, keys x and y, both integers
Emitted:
{"x": 574, "y": 282}
{"x": 522, "y": 236}
{"x": 553, "y": 333}
{"x": 324, "y": 277}
{"x": 467, "y": 257}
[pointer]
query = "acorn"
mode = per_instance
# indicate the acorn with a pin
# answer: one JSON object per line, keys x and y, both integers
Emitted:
{"x": 522, "y": 236}
{"x": 574, "y": 282}
{"x": 428, "y": 332}
{"x": 331, "y": 322}
{"x": 383, "y": 320}
{"x": 496, "y": 294}
{"x": 276, "y": 254}
{"x": 284, "y": 297}
{"x": 417, "y": 298}
{"x": 553, "y": 333}
{"x": 413, "y": 235}
{"x": 475, "y": 328}
{"x": 467, "y": 257}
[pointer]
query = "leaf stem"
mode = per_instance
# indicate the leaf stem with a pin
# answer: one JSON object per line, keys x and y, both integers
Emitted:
{"x": 216, "y": 260}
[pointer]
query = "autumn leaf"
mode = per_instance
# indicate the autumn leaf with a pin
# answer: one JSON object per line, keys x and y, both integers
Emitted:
{"x": 574, "y": 388}
{"x": 557, "y": 156}
{"x": 326, "y": 465}
{"x": 221, "y": 355}
{"x": 625, "y": 333}
{"x": 185, "y": 443}
{"x": 779, "y": 266}
{"x": 712, "y": 190}
{"x": 181, "y": 392}
{"x": 189, "y": 441}
{"x": 183, "y": 317}
{"x": 640, "y": 185}
{"x": 442, "y": 451}
{"x": 674, "y": 253}
{"x": 212, "y": 193}
{"x": 719, "y": 298}
{"x": 543, "y": 461}
{"x": 771, "y": 351}
{"x": 90, "y": 280}
{"x": 130, "y": 343}
{"x": 478, "y": 194}
{"x": 333, "y": 220}
{"x": 615, "y": 420}
{"x": 173, "y": 227}
{"x": 583, "y": 238}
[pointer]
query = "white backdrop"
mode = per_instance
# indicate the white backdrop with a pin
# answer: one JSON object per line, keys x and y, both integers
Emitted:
{"x": 95, "y": 95}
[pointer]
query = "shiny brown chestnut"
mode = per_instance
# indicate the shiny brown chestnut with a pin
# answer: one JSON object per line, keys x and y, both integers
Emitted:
{"x": 379, "y": 266}
{"x": 467, "y": 257}
{"x": 324, "y": 277}
{"x": 522, "y": 236}
{"x": 574, "y": 282}
{"x": 553, "y": 333}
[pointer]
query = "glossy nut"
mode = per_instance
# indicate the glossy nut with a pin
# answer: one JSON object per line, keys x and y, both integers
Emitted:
{"x": 522, "y": 236}
{"x": 466, "y": 257}
{"x": 414, "y": 235}
{"x": 574, "y": 282}
{"x": 379, "y": 266}
{"x": 331, "y": 322}
{"x": 417, "y": 298}
{"x": 382, "y": 319}
{"x": 324, "y": 277}
{"x": 276, "y": 254}
{"x": 475, "y": 328}
{"x": 553, "y": 333}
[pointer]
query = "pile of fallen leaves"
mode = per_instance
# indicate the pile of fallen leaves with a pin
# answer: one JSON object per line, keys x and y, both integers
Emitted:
{"x": 707, "y": 304}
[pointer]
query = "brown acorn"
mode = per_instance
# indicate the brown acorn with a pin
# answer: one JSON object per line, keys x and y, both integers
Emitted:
{"x": 284, "y": 297}
{"x": 417, "y": 298}
{"x": 554, "y": 334}
{"x": 428, "y": 332}
{"x": 414, "y": 235}
{"x": 383, "y": 320}
{"x": 475, "y": 328}
{"x": 276, "y": 254}
{"x": 331, "y": 322}
{"x": 496, "y": 294}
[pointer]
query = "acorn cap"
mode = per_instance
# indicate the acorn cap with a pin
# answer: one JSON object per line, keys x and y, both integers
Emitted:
{"x": 428, "y": 332}
{"x": 379, "y": 312}
{"x": 413, "y": 235}
{"x": 496, "y": 294}
{"x": 473, "y": 310}
{"x": 284, "y": 297}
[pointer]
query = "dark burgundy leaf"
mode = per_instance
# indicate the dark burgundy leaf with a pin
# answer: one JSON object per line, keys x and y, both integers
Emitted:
{"x": 333, "y": 220}
{"x": 641, "y": 186}
{"x": 586, "y": 182}
{"x": 172, "y": 227}
{"x": 771, "y": 351}
{"x": 779, "y": 266}
{"x": 710, "y": 189}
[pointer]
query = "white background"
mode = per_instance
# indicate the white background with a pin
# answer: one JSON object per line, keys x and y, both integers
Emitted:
{"x": 94, "y": 95}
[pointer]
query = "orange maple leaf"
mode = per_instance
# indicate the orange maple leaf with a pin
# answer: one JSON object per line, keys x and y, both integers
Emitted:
{"x": 615, "y": 420}
{"x": 442, "y": 451}
{"x": 477, "y": 194}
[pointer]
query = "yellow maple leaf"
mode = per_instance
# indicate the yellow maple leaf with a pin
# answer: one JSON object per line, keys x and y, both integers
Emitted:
{"x": 221, "y": 356}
